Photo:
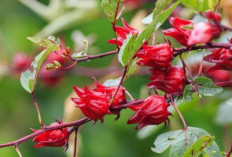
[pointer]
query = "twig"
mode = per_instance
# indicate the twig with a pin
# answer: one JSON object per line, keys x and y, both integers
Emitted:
{"x": 229, "y": 152}
{"x": 17, "y": 150}
{"x": 75, "y": 144}
{"x": 37, "y": 110}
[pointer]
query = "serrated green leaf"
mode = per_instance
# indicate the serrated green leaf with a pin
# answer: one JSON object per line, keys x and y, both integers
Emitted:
{"x": 154, "y": 25}
{"x": 159, "y": 6}
{"x": 127, "y": 51}
{"x": 110, "y": 7}
{"x": 207, "y": 87}
{"x": 196, "y": 149}
{"x": 177, "y": 141}
{"x": 224, "y": 115}
{"x": 28, "y": 79}
{"x": 188, "y": 93}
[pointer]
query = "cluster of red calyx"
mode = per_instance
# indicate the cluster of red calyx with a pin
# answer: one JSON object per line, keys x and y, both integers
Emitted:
{"x": 52, "y": 138}
{"x": 122, "y": 33}
{"x": 54, "y": 77}
{"x": 96, "y": 104}
{"x": 158, "y": 56}
{"x": 170, "y": 81}
{"x": 222, "y": 57}
{"x": 133, "y": 4}
{"x": 21, "y": 62}
{"x": 201, "y": 33}
{"x": 153, "y": 111}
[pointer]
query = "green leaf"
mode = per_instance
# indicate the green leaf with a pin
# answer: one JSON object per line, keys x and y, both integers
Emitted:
{"x": 196, "y": 149}
{"x": 207, "y": 88}
{"x": 154, "y": 25}
{"x": 176, "y": 140}
{"x": 200, "y": 5}
{"x": 28, "y": 79}
{"x": 188, "y": 93}
{"x": 127, "y": 51}
{"x": 50, "y": 41}
{"x": 110, "y": 7}
{"x": 224, "y": 115}
{"x": 131, "y": 68}
{"x": 159, "y": 6}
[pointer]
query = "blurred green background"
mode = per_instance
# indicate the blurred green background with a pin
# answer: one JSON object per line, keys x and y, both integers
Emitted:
{"x": 111, "y": 139}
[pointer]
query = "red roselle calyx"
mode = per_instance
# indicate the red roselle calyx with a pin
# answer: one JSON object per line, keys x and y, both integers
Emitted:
{"x": 110, "y": 92}
{"x": 222, "y": 57}
{"x": 203, "y": 33}
{"x": 152, "y": 111}
{"x": 179, "y": 31}
{"x": 94, "y": 105}
{"x": 170, "y": 81}
{"x": 52, "y": 138}
{"x": 158, "y": 56}
{"x": 213, "y": 16}
{"x": 122, "y": 33}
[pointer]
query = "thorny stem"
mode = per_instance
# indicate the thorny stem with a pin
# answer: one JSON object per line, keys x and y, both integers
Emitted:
{"x": 182, "y": 119}
{"x": 75, "y": 143}
{"x": 37, "y": 109}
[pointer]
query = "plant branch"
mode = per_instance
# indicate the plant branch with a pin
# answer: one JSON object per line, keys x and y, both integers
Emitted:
{"x": 37, "y": 109}
{"x": 212, "y": 45}
{"x": 229, "y": 152}
{"x": 90, "y": 57}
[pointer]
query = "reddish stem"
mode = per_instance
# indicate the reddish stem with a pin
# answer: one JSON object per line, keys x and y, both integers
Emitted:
{"x": 75, "y": 143}
{"x": 37, "y": 109}
{"x": 229, "y": 152}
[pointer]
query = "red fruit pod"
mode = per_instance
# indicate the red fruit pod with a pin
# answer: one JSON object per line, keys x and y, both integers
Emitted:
{"x": 153, "y": 111}
{"x": 94, "y": 105}
{"x": 203, "y": 33}
{"x": 158, "y": 56}
{"x": 211, "y": 15}
{"x": 170, "y": 81}
{"x": 52, "y": 138}
{"x": 110, "y": 93}
{"x": 179, "y": 32}
{"x": 122, "y": 33}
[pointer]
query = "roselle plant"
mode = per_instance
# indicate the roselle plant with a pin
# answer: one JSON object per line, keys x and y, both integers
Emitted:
{"x": 172, "y": 78}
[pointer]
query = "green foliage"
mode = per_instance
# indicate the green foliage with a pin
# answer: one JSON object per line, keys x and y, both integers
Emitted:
{"x": 28, "y": 79}
{"x": 160, "y": 5}
{"x": 110, "y": 7}
{"x": 200, "y": 5}
{"x": 127, "y": 52}
{"x": 224, "y": 115}
{"x": 196, "y": 149}
{"x": 205, "y": 87}
{"x": 176, "y": 140}
{"x": 154, "y": 25}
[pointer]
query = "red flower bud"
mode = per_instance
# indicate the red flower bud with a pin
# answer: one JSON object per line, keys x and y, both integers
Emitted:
{"x": 222, "y": 58}
{"x": 210, "y": 15}
{"x": 158, "y": 56}
{"x": 110, "y": 92}
{"x": 170, "y": 81}
{"x": 51, "y": 78}
{"x": 203, "y": 33}
{"x": 52, "y": 138}
{"x": 152, "y": 111}
{"x": 21, "y": 62}
{"x": 178, "y": 31}
{"x": 122, "y": 32}
{"x": 219, "y": 75}
{"x": 93, "y": 104}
